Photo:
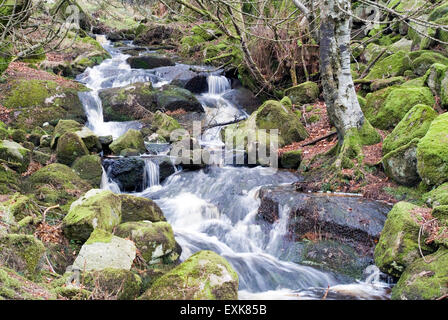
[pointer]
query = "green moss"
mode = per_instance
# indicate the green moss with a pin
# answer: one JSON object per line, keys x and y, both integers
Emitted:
{"x": 72, "y": 293}
{"x": 97, "y": 209}
{"x": 392, "y": 66}
{"x": 117, "y": 283}
{"x": 62, "y": 127}
{"x": 432, "y": 152}
{"x": 291, "y": 159}
{"x": 99, "y": 235}
{"x": 398, "y": 245}
{"x": 90, "y": 169}
{"x": 398, "y": 102}
{"x": 424, "y": 281}
{"x": 70, "y": 147}
{"x": 203, "y": 276}
{"x": 14, "y": 155}
{"x": 421, "y": 64}
{"x": 155, "y": 241}
{"x": 384, "y": 83}
{"x": 415, "y": 124}
{"x": 306, "y": 92}
{"x": 20, "y": 206}
{"x": 22, "y": 253}
{"x": 138, "y": 208}
{"x": 438, "y": 196}
{"x": 9, "y": 181}
{"x": 56, "y": 183}
{"x": 163, "y": 124}
{"x": 131, "y": 139}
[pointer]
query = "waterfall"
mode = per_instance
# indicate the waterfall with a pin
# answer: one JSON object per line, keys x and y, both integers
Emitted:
{"x": 151, "y": 175}
{"x": 218, "y": 84}
{"x": 108, "y": 184}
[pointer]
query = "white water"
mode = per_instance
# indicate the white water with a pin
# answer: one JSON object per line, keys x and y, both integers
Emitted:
{"x": 217, "y": 210}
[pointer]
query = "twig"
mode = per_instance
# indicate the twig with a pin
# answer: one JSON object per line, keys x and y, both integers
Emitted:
{"x": 320, "y": 139}
{"x": 49, "y": 264}
{"x": 46, "y": 210}
{"x": 326, "y": 293}
{"x": 371, "y": 64}
{"x": 419, "y": 236}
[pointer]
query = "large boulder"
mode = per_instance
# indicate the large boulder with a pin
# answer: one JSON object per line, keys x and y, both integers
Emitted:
{"x": 137, "y": 209}
{"x": 23, "y": 253}
{"x": 127, "y": 172}
{"x": 149, "y": 61}
{"x": 423, "y": 62}
{"x": 103, "y": 250}
{"x": 70, "y": 147}
{"x": 163, "y": 125}
{"x": 172, "y": 98}
{"x": 35, "y": 102}
{"x": 243, "y": 97}
{"x": 14, "y": 155}
{"x": 155, "y": 241}
{"x": 306, "y": 92}
{"x": 132, "y": 102}
{"x": 415, "y": 124}
{"x": 422, "y": 280}
{"x": 432, "y": 152}
{"x": 398, "y": 245}
{"x": 207, "y": 276}
{"x": 132, "y": 139}
{"x": 401, "y": 164}
{"x": 90, "y": 169}
{"x": 56, "y": 183}
{"x": 392, "y": 66}
{"x": 96, "y": 209}
{"x": 386, "y": 108}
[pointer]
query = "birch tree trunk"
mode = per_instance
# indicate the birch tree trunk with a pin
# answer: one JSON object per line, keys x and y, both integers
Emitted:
{"x": 339, "y": 92}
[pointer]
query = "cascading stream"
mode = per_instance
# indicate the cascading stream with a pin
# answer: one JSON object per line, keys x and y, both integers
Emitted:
{"x": 217, "y": 209}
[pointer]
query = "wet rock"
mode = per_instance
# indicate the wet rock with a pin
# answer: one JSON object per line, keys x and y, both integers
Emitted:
{"x": 197, "y": 84}
{"x": 352, "y": 220}
{"x": 96, "y": 209}
{"x": 149, "y": 61}
{"x": 207, "y": 275}
{"x": 127, "y": 172}
{"x": 173, "y": 98}
{"x": 104, "y": 250}
{"x": 243, "y": 97}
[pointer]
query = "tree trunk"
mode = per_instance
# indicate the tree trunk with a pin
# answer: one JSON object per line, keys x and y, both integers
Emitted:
{"x": 339, "y": 92}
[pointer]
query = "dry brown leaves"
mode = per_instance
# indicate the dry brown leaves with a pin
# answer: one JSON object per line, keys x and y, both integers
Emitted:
{"x": 49, "y": 233}
{"x": 33, "y": 167}
{"x": 430, "y": 226}
{"x": 175, "y": 112}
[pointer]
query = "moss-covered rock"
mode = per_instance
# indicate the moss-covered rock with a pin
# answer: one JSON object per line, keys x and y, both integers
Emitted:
{"x": 132, "y": 139}
{"x": 137, "y": 208}
{"x": 392, "y": 66}
{"x": 22, "y": 253}
{"x": 415, "y": 124}
{"x": 70, "y": 147}
{"x": 128, "y": 103}
{"x": 422, "y": 280}
{"x": 379, "y": 84}
{"x": 291, "y": 159}
{"x": 398, "y": 245}
{"x": 35, "y": 102}
{"x": 173, "y": 98}
{"x": 401, "y": 164}
{"x": 422, "y": 63}
{"x": 155, "y": 241}
{"x": 397, "y": 103}
{"x": 103, "y": 251}
{"x": 203, "y": 276}
{"x": 96, "y": 209}
{"x": 150, "y": 61}
{"x": 90, "y": 169}
{"x": 56, "y": 183}
{"x": 163, "y": 125}
{"x": 9, "y": 181}
{"x": 114, "y": 283}
{"x": 306, "y": 92}
{"x": 432, "y": 152}
{"x": 19, "y": 207}
{"x": 14, "y": 155}
{"x": 15, "y": 287}
{"x": 438, "y": 196}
